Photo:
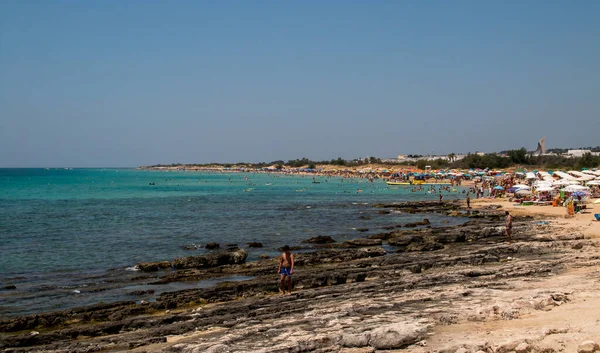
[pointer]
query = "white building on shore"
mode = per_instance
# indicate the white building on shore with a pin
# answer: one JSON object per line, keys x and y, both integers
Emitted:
{"x": 580, "y": 153}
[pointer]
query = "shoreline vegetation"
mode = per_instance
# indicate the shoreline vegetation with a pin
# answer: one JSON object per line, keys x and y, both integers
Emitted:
{"x": 414, "y": 288}
{"x": 511, "y": 159}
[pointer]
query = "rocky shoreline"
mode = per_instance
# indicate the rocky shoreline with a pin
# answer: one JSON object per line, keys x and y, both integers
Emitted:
{"x": 385, "y": 291}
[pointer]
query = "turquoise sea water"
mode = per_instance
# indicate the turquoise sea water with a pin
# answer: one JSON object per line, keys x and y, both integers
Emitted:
{"x": 64, "y": 231}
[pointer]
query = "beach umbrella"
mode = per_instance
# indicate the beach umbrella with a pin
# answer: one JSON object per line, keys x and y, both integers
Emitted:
{"x": 521, "y": 186}
{"x": 573, "y": 188}
{"x": 523, "y": 192}
{"x": 544, "y": 188}
{"x": 593, "y": 182}
{"x": 562, "y": 182}
{"x": 579, "y": 193}
{"x": 498, "y": 187}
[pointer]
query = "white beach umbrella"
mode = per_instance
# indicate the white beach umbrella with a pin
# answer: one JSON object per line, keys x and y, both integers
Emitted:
{"x": 573, "y": 188}
{"x": 523, "y": 192}
{"x": 544, "y": 188}
{"x": 562, "y": 182}
{"x": 564, "y": 175}
{"x": 521, "y": 186}
{"x": 593, "y": 182}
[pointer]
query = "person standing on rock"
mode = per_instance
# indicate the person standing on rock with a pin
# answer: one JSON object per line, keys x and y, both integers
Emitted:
{"x": 508, "y": 226}
{"x": 468, "y": 202}
{"x": 286, "y": 270}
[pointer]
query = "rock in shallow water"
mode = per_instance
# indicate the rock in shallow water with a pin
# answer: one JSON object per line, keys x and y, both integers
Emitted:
{"x": 153, "y": 266}
{"x": 212, "y": 246}
{"x": 321, "y": 239}
{"x": 362, "y": 242}
{"x": 211, "y": 260}
{"x": 415, "y": 224}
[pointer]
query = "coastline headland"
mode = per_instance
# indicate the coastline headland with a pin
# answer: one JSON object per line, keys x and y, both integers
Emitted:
{"x": 414, "y": 288}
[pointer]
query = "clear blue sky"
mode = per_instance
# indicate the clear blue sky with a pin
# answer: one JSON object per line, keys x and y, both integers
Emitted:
{"x": 128, "y": 83}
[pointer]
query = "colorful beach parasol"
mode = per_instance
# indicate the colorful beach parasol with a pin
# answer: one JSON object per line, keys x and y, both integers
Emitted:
{"x": 579, "y": 193}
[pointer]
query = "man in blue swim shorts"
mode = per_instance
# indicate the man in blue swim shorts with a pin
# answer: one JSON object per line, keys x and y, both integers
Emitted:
{"x": 286, "y": 270}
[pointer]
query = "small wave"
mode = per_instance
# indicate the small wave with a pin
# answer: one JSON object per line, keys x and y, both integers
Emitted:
{"x": 133, "y": 268}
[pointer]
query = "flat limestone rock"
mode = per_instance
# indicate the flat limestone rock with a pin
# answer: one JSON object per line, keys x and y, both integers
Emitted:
{"x": 397, "y": 335}
{"x": 588, "y": 347}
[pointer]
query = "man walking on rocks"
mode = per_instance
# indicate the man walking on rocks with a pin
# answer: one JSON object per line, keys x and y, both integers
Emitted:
{"x": 508, "y": 226}
{"x": 286, "y": 269}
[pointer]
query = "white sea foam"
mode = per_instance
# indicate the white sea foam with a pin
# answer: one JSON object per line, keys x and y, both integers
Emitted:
{"x": 133, "y": 268}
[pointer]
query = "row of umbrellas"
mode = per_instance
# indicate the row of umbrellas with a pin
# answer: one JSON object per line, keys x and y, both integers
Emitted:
{"x": 543, "y": 187}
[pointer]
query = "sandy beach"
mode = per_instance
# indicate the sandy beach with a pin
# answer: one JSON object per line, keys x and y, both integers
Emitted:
{"x": 563, "y": 328}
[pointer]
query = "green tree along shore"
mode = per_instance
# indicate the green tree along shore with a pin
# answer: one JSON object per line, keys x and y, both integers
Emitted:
{"x": 511, "y": 158}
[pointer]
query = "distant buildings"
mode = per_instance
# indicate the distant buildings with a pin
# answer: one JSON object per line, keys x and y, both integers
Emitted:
{"x": 540, "y": 151}
{"x": 580, "y": 153}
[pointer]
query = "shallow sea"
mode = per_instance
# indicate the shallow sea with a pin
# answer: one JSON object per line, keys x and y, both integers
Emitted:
{"x": 70, "y": 237}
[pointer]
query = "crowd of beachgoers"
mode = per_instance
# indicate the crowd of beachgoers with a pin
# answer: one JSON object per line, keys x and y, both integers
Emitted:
{"x": 494, "y": 183}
